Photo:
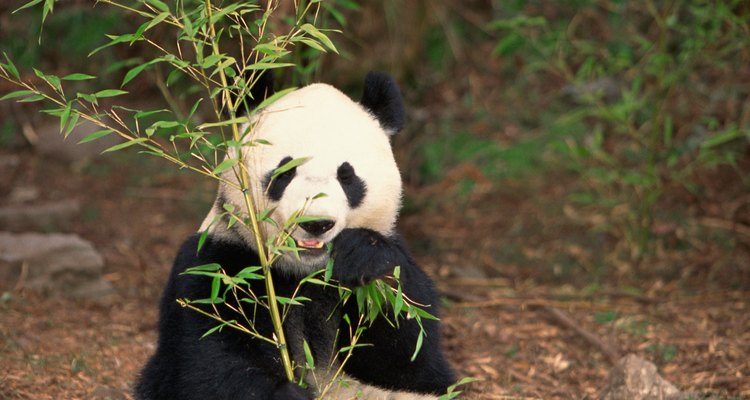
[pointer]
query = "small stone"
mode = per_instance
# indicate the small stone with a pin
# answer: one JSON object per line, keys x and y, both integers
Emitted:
{"x": 52, "y": 143}
{"x": 634, "y": 378}
{"x": 43, "y": 217}
{"x": 55, "y": 264}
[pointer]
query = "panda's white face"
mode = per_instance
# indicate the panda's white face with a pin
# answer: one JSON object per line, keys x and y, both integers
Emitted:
{"x": 350, "y": 161}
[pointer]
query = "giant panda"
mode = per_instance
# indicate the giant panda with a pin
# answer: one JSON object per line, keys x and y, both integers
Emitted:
{"x": 351, "y": 161}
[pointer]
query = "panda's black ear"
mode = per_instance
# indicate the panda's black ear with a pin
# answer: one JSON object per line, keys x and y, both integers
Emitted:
{"x": 382, "y": 98}
{"x": 261, "y": 90}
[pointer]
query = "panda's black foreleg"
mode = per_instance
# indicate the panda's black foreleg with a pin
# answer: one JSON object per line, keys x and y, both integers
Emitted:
{"x": 360, "y": 256}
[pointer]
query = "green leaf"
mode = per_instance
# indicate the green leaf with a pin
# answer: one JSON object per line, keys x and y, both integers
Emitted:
{"x": 96, "y": 135}
{"x": 17, "y": 93}
{"x": 88, "y": 97}
{"x": 159, "y": 18}
{"x": 311, "y": 43}
{"x": 217, "y": 328}
{"x": 145, "y": 114}
{"x": 420, "y": 339}
{"x": 289, "y": 165}
{"x": 32, "y": 3}
{"x": 250, "y": 273}
{"x": 238, "y": 120}
{"x": 274, "y": 97}
{"x": 10, "y": 67}
{"x": 113, "y": 41}
{"x": 65, "y": 115}
{"x": 72, "y": 123}
{"x": 124, "y": 145}
{"x": 133, "y": 73}
{"x": 211, "y": 60}
{"x": 722, "y": 137}
{"x": 109, "y": 93}
{"x": 32, "y": 99}
{"x": 267, "y": 65}
{"x": 47, "y": 8}
{"x": 309, "y": 360}
{"x": 225, "y": 165}
{"x": 215, "y": 287}
{"x": 78, "y": 77}
{"x": 159, "y": 5}
{"x": 322, "y": 38}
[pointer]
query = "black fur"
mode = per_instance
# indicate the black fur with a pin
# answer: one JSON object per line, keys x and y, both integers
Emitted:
{"x": 354, "y": 187}
{"x": 231, "y": 365}
{"x": 382, "y": 98}
{"x": 261, "y": 90}
{"x": 278, "y": 185}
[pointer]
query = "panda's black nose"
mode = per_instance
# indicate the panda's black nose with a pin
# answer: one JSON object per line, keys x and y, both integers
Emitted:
{"x": 317, "y": 228}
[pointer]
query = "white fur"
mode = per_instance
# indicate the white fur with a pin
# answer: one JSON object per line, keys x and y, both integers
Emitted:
{"x": 319, "y": 122}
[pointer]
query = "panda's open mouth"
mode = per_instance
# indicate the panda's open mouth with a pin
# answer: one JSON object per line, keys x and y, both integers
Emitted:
{"x": 311, "y": 247}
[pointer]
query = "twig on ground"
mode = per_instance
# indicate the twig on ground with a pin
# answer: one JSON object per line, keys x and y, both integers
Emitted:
{"x": 567, "y": 321}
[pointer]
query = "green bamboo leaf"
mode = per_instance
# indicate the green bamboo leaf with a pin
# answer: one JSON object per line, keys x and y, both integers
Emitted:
{"x": 88, "y": 97}
{"x": 310, "y": 361}
{"x": 133, "y": 73}
{"x": 96, "y": 135}
{"x": 267, "y": 102}
{"x": 212, "y": 267}
{"x": 289, "y": 165}
{"x": 145, "y": 114}
{"x": 311, "y": 43}
{"x": 17, "y": 93}
{"x": 124, "y": 145}
{"x": 109, "y": 93}
{"x": 314, "y": 32}
{"x": 78, "y": 77}
{"x": 722, "y": 137}
{"x": 202, "y": 239}
{"x": 217, "y": 327}
{"x": 225, "y": 165}
{"x": 65, "y": 115}
{"x": 46, "y": 9}
{"x": 10, "y": 67}
{"x": 32, "y": 3}
{"x": 113, "y": 41}
{"x": 159, "y": 18}
{"x": 267, "y": 65}
{"x": 420, "y": 339}
{"x": 32, "y": 99}
{"x": 188, "y": 26}
{"x": 159, "y": 5}
{"x": 215, "y": 287}
{"x": 238, "y": 120}
{"x": 72, "y": 123}
{"x": 211, "y": 60}
{"x": 250, "y": 273}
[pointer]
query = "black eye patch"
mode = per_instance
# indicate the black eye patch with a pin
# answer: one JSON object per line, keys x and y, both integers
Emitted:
{"x": 278, "y": 184}
{"x": 354, "y": 187}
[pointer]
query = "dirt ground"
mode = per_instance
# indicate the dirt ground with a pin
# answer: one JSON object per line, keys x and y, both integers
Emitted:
{"x": 521, "y": 335}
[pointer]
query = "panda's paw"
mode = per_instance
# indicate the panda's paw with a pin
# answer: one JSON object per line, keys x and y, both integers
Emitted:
{"x": 291, "y": 391}
{"x": 362, "y": 255}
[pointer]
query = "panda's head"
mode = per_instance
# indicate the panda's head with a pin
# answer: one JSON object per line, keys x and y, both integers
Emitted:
{"x": 348, "y": 159}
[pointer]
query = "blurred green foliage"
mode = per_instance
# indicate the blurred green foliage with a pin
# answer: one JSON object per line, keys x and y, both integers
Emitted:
{"x": 647, "y": 86}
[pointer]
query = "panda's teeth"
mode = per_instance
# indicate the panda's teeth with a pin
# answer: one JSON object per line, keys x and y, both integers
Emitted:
{"x": 310, "y": 244}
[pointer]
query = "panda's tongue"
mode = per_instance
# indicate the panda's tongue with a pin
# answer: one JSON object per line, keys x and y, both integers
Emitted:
{"x": 310, "y": 244}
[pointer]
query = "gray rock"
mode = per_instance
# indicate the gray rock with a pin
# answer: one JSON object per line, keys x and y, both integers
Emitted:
{"x": 40, "y": 217}
{"x": 56, "y": 264}
{"x": 634, "y": 378}
{"x": 52, "y": 143}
